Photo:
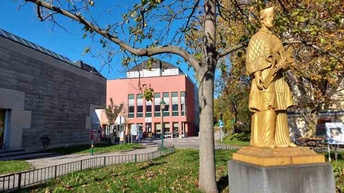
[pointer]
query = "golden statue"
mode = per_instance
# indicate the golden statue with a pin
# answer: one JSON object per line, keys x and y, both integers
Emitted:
{"x": 270, "y": 95}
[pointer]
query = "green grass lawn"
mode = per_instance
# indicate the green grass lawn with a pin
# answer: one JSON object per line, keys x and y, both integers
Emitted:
{"x": 177, "y": 172}
{"x": 174, "y": 173}
{"x": 98, "y": 148}
{"x": 7, "y": 167}
{"x": 229, "y": 141}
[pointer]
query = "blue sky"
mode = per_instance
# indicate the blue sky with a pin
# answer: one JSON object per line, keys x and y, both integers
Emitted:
{"x": 24, "y": 23}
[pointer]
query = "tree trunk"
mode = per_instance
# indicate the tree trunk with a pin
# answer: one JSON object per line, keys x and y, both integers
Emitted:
{"x": 207, "y": 172}
{"x": 205, "y": 76}
{"x": 311, "y": 120}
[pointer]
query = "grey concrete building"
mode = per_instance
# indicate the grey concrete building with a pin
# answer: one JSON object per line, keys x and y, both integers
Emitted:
{"x": 43, "y": 94}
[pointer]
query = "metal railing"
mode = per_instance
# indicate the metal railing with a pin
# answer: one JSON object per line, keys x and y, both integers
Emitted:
{"x": 23, "y": 179}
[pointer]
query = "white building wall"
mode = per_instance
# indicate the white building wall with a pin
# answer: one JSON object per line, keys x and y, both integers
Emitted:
{"x": 154, "y": 72}
{"x": 169, "y": 72}
{"x": 151, "y": 73}
{"x": 133, "y": 74}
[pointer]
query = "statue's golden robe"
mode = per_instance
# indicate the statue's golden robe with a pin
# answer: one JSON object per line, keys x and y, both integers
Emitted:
{"x": 269, "y": 120}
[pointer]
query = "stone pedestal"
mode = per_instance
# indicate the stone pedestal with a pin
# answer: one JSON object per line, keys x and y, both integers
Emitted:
{"x": 280, "y": 170}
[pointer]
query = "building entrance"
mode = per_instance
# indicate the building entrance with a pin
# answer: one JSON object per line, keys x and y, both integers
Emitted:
{"x": 148, "y": 129}
{"x": 2, "y": 128}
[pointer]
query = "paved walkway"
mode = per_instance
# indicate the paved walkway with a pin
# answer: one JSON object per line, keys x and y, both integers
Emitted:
{"x": 150, "y": 146}
{"x": 62, "y": 159}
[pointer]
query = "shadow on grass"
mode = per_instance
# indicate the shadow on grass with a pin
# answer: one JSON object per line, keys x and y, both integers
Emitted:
{"x": 222, "y": 183}
{"x": 98, "y": 148}
{"x": 151, "y": 164}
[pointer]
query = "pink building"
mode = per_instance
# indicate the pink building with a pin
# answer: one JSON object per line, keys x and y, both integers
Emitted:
{"x": 170, "y": 83}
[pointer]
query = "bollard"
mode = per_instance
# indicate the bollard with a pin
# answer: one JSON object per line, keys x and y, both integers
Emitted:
{"x": 92, "y": 146}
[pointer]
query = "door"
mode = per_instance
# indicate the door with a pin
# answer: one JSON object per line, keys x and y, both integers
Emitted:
{"x": 148, "y": 130}
{"x": 2, "y": 128}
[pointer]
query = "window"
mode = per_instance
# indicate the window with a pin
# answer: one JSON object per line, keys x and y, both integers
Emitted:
{"x": 157, "y": 100}
{"x": 166, "y": 97}
{"x": 175, "y": 129}
{"x": 182, "y": 103}
{"x": 148, "y": 108}
{"x": 139, "y": 103}
{"x": 175, "y": 104}
{"x": 166, "y": 127}
{"x": 157, "y": 128}
{"x": 131, "y": 107}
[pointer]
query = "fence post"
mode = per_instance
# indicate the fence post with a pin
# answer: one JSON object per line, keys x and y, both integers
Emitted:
{"x": 19, "y": 179}
{"x": 118, "y": 159}
{"x": 55, "y": 171}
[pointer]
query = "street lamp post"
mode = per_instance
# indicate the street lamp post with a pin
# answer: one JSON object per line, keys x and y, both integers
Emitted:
{"x": 162, "y": 107}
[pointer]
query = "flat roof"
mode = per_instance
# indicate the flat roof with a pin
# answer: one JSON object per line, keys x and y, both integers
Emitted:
{"x": 43, "y": 50}
{"x": 34, "y": 46}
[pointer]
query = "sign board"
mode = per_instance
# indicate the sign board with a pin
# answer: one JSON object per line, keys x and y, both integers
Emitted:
{"x": 335, "y": 132}
{"x": 134, "y": 128}
{"x": 220, "y": 123}
{"x": 148, "y": 119}
{"x": 121, "y": 136}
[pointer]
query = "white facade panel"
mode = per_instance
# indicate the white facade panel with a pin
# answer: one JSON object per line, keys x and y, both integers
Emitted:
{"x": 154, "y": 72}
{"x": 151, "y": 73}
{"x": 169, "y": 72}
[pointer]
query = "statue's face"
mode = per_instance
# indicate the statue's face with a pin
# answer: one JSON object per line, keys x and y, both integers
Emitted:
{"x": 268, "y": 21}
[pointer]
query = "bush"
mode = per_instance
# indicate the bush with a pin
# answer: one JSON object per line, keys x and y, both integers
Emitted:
{"x": 243, "y": 136}
{"x": 339, "y": 178}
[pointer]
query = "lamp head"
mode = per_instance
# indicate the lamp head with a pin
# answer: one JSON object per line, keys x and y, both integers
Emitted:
{"x": 162, "y": 103}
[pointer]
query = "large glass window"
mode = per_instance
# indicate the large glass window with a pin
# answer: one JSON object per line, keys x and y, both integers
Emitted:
{"x": 157, "y": 128}
{"x": 148, "y": 108}
{"x": 139, "y": 103}
{"x": 131, "y": 106}
{"x": 182, "y": 103}
{"x": 157, "y": 100}
{"x": 175, "y": 129}
{"x": 175, "y": 104}
{"x": 167, "y": 128}
{"x": 166, "y": 97}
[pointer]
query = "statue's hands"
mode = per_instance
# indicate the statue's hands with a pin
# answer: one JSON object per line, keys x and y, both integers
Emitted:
{"x": 286, "y": 60}
{"x": 258, "y": 78}
{"x": 282, "y": 64}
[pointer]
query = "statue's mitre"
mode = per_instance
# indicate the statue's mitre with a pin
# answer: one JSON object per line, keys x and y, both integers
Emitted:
{"x": 268, "y": 11}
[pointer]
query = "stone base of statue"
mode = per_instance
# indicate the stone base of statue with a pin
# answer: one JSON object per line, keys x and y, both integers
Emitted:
{"x": 287, "y": 170}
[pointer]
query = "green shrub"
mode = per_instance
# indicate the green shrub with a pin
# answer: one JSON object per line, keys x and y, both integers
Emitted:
{"x": 338, "y": 172}
{"x": 244, "y": 136}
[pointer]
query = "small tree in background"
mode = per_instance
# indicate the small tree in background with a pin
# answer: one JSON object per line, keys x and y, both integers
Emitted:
{"x": 234, "y": 89}
{"x": 112, "y": 111}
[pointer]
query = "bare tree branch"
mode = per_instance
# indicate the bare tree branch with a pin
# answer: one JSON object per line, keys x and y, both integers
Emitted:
{"x": 315, "y": 47}
{"x": 232, "y": 49}
{"x": 283, "y": 7}
{"x": 192, "y": 12}
{"x": 136, "y": 51}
